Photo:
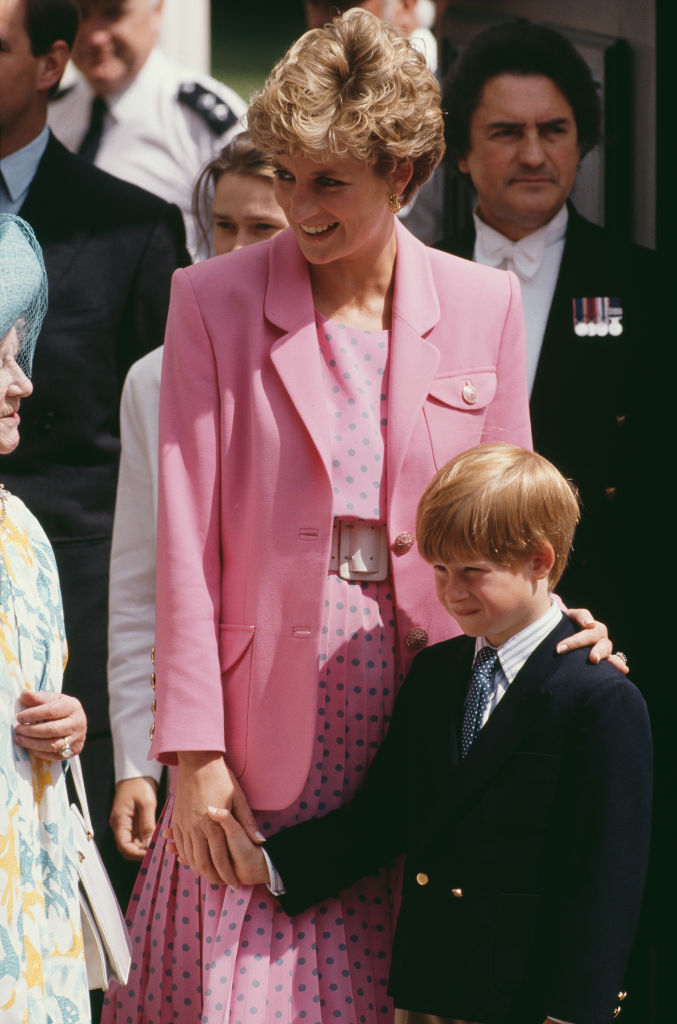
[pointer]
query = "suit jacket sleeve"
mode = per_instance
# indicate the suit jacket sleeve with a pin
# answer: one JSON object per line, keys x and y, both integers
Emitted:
{"x": 603, "y": 854}
{"x": 320, "y": 857}
{"x": 131, "y": 624}
{"x": 189, "y": 523}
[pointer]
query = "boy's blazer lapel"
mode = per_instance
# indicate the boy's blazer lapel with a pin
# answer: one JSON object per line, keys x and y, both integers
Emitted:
{"x": 526, "y": 697}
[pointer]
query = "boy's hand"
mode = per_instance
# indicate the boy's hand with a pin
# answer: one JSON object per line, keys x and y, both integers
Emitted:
{"x": 246, "y": 857}
{"x": 593, "y": 634}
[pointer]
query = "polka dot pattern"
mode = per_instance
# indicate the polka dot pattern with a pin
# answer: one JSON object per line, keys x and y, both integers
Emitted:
{"x": 205, "y": 954}
{"x": 479, "y": 695}
{"x": 354, "y": 371}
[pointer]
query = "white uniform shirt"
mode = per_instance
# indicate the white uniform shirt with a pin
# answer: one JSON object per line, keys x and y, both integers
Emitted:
{"x": 131, "y": 617}
{"x": 536, "y": 260}
{"x": 157, "y": 133}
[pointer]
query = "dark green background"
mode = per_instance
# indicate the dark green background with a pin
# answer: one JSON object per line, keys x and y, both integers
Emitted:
{"x": 248, "y": 37}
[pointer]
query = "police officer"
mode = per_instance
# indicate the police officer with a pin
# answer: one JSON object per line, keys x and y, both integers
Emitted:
{"x": 134, "y": 112}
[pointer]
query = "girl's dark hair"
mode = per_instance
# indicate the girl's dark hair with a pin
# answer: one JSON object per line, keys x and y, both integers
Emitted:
{"x": 239, "y": 156}
{"x": 519, "y": 48}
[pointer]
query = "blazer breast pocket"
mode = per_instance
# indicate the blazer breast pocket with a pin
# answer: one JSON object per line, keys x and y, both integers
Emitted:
{"x": 235, "y": 654}
{"x": 455, "y": 411}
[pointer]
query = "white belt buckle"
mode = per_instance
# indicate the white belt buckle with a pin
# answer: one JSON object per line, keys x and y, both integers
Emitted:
{"x": 359, "y": 551}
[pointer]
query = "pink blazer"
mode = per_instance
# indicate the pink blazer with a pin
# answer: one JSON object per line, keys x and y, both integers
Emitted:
{"x": 245, "y": 500}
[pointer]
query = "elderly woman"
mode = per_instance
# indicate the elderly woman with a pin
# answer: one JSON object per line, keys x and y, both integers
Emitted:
{"x": 312, "y": 384}
{"x": 42, "y": 968}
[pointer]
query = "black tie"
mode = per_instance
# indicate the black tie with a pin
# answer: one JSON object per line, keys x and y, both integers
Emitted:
{"x": 90, "y": 143}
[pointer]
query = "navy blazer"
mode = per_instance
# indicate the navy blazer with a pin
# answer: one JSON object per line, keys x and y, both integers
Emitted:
{"x": 525, "y": 861}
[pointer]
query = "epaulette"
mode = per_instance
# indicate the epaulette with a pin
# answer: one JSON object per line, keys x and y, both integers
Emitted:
{"x": 209, "y": 105}
{"x": 60, "y": 93}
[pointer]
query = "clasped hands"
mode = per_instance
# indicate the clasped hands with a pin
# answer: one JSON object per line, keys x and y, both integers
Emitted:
{"x": 213, "y": 830}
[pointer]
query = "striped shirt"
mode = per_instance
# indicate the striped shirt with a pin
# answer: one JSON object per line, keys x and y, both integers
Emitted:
{"x": 515, "y": 651}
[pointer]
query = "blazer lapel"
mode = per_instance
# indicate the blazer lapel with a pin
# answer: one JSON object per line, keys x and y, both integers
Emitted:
{"x": 413, "y": 359}
{"x": 525, "y": 699}
{"x": 289, "y": 305}
{"x": 556, "y": 366}
{"x": 49, "y": 216}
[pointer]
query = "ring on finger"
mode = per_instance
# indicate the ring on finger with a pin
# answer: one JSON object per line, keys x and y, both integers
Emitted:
{"x": 623, "y": 657}
{"x": 66, "y": 750}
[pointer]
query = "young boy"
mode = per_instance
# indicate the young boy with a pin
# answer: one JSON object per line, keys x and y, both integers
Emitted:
{"x": 517, "y": 781}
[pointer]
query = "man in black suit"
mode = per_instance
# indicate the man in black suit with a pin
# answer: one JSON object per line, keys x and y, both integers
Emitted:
{"x": 110, "y": 250}
{"x": 522, "y": 112}
{"x": 516, "y": 780}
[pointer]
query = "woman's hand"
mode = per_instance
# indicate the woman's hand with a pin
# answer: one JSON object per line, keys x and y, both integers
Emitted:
{"x": 246, "y": 857}
{"x": 50, "y": 722}
{"x": 204, "y": 781}
{"x": 132, "y": 815}
{"x": 593, "y": 634}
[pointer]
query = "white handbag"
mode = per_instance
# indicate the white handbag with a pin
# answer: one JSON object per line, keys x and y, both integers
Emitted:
{"x": 108, "y": 950}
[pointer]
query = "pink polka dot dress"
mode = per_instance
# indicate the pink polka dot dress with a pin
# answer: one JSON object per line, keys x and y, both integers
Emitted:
{"x": 205, "y": 954}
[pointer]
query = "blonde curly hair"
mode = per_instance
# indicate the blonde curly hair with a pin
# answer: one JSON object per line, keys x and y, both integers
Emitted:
{"x": 354, "y": 88}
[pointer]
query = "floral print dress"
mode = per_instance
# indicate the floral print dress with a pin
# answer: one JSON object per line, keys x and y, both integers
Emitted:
{"x": 42, "y": 965}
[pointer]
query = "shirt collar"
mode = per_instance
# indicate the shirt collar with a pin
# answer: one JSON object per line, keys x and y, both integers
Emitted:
{"x": 138, "y": 95}
{"x": 493, "y": 248}
{"x": 515, "y": 651}
{"x": 19, "y": 168}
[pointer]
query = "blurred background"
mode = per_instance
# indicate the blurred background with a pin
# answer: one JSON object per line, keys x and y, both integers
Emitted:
{"x": 239, "y": 42}
{"x": 248, "y": 38}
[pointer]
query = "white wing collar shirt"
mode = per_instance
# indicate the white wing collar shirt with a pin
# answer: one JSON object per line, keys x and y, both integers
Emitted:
{"x": 536, "y": 260}
{"x": 159, "y": 132}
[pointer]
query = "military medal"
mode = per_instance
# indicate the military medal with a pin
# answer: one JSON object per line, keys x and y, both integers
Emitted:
{"x": 579, "y": 309}
{"x": 598, "y": 316}
{"x": 615, "y": 314}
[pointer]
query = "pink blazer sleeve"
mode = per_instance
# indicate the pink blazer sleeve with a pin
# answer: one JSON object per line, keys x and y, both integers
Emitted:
{"x": 188, "y": 584}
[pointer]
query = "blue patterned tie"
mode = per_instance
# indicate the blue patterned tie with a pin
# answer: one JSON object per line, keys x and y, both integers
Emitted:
{"x": 479, "y": 695}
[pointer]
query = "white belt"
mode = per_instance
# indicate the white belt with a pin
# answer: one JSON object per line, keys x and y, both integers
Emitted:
{"x": 359, "y": 551}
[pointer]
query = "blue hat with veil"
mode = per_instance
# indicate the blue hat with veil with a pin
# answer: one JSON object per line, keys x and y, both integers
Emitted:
{"x": 23, "y": 287}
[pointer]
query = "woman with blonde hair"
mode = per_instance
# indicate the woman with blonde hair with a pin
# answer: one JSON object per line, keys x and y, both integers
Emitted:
{"x": 311, "y": 386}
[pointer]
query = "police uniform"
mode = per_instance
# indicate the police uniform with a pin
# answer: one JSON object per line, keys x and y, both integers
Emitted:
{"x": 159, "y": 132}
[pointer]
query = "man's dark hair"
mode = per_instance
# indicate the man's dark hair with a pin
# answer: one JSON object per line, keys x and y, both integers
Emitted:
{"x": 519, "y": 48}
{"x": 49, "y": 20}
